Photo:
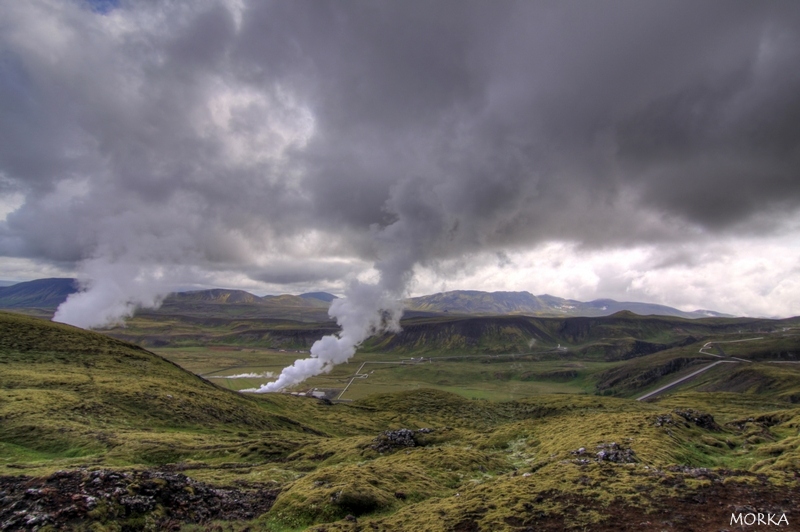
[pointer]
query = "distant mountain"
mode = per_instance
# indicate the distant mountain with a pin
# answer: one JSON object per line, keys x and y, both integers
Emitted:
{"x": 484, "y": 303}
{"x": 7, "y": 283}
{"x": 49, "y": 293}
{"x": 217, "y": 295}
{"x": 476, "y": 302}
{"x": 287, "y": 300}
{"x": 41, "y": 293}
{"x": 240, "y": 297}
{"x": 322, "y": 296}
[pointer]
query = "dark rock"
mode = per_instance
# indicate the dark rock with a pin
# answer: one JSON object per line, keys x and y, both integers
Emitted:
{"x": 662, "y": 420}
{"x": 613, "y": 452}
{"x": 66, "y": 498}
{"x": 393, "y": 439}
{"x": 701, "y": 419}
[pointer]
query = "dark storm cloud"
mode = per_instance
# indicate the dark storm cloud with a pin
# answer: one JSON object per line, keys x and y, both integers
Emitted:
{"x": 402, "y": 132}
{"x": 305, "y": 272}
{"x": 524, "y": 122}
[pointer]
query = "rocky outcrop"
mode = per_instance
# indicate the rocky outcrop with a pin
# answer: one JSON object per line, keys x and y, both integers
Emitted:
{"x": 701, "y": 419}
{"x": 391, "y": 440}
{"x": 608, "y": 452}
{"x": 164, "y": 499}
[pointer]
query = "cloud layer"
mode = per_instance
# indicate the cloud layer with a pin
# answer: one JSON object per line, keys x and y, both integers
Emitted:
{"x": 298, "y": 143}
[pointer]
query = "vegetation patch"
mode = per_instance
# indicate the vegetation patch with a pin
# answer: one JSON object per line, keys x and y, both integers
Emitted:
{"x": 85, "y": 415}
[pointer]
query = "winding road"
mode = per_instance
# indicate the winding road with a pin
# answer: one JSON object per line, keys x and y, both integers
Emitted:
{"x": 685, "y": 378}
{"x": 722, "y": 355}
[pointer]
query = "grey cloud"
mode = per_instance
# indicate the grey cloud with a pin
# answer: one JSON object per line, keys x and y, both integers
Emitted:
{"x": 520, "y": 117}
{"x": 395, "y": 132}
{"x": 305, "y": 272}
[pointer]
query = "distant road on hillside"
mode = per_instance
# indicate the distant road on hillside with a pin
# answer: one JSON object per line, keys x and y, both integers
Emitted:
{"x": 684, "y": 378}
{"x": 727, "y": 359}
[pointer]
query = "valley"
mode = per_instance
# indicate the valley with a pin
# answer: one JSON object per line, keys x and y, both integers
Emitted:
{"x": 457, "y": 422}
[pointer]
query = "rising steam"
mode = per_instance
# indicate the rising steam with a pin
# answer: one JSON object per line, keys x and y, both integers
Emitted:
{"x": 369, "y": 309}
{"x": 265, "y": 375}
{"x": 365, "y": 310}
{"x": 112, "y": 293}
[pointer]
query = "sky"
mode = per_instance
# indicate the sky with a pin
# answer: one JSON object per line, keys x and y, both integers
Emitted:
{"x": 635, "y": 150}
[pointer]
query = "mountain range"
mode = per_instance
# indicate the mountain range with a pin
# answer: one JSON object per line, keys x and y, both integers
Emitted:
{"x": 40, "y": 293}
{"x": 485, "y": 303}
{"x": 47, "y": 294}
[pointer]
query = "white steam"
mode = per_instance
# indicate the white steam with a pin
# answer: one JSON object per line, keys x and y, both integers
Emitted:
{"x": 114, "y": 291}
{"x": 365, "y": 310}
{"x": 265, "y": 375}
{"x": 369, "y": 309}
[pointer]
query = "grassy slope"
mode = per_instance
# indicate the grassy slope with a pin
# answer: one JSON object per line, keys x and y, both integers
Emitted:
{"x": 70, "y": 397}
{"x": 773, "y": 368}
{"x": 501, "y": 464}
{"x": 623, "y": 355}
{"x": 623, "y": 335}
{"x": 65, "y": 392}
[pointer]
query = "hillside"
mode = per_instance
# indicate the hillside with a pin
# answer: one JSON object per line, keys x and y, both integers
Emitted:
{"x": 42, "y": 297}
{"x": 98, "y": 433}
{"x": 73, "y": 384}
{"x": 476, "y": 302}
{"x": 41, "y": 293}
{"x": 321, "y": 296}
{"x": 240, "y": 297}
{"x": 612, "y": 336}
{"x": 229, "y": 304}
{"x": 216, "y": 295}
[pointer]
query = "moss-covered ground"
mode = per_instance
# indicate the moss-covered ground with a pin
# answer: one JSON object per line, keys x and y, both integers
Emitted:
{"x": 72, "y": 399}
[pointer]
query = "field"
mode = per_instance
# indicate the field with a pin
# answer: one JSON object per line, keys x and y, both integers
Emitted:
{"x": 492, "y": 377}
{"x": 511, "y": 358}
{"x": 548, "y": 439}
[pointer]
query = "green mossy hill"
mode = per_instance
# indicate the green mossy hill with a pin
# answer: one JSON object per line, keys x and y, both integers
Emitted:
{"x": 416, "y": 460}
{"x": 621, "y": 336}
{"x": 537, "y": 463}
{"x": 767, "y": 366}
{"x": 777, "y": 380}
{"x": 62, "y": 389}
{"x": 501, "y": 334}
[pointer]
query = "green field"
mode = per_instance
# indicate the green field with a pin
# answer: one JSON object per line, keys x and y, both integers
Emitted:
{"x": 494, "y": 377}
{"x": 511, "y": 440}
{"x": 618, "y": 365}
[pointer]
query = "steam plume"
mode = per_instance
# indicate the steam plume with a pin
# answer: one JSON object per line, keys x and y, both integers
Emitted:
{"x": 113, "y": 293}
{"x": 265, "y": 375}
{"x": 230, "y": 137}
{"x": 365, "y": 310}
{"x": 368, "y": 309}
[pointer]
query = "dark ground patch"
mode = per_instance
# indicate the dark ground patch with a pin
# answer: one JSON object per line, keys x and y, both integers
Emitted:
{"x": 707, "y": 509}
{"x": 133, "y": 499}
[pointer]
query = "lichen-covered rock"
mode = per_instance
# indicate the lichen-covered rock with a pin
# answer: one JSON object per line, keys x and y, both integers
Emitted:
{"x": 663, "y": 420}
{"x": 701, "y": 419}
{"x": 391, "y": 440}
{"x": 613, "y": 452}
{"x": 80, "y": 496}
